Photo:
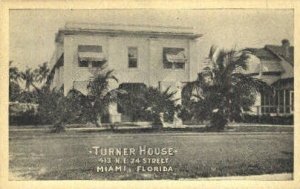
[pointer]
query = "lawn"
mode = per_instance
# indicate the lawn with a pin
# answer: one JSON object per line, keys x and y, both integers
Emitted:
{"x": 44, "y": 156}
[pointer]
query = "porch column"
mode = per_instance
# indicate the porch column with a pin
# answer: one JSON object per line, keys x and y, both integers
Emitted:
{"x": 114, "y": 115}
{"x": 257, "y": 106}
{"x": 192, "y": 64}
{"x": 284, "y": 102}
{"x": 278, "y": 104}
{"x": 178, "y": 121}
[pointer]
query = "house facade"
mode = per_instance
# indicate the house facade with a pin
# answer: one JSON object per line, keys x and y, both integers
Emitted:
{"x": 274, "y": 64}
{"x": 157, "y": 56}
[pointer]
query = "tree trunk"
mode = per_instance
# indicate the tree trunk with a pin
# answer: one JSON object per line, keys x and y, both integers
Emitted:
{"x": 98, "y": 121}
{"x": 58, "y": 127}
{"x": 36, "y": 88}
{"x": 158, "y": 121}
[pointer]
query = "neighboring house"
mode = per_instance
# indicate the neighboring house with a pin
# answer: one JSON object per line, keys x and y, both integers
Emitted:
{"x": 17, "y": 108}
{"x": 156, "y": 56}
{"x": 274, "y": 65}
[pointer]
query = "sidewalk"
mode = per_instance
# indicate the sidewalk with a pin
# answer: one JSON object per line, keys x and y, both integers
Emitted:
{"x": 142, "y": 126}
{"x": 267, "y": 177}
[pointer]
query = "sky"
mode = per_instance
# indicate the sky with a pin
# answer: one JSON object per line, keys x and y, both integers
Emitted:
{"x": 32, "y": 31}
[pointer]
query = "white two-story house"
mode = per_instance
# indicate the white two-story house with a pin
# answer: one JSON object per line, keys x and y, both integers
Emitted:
{"x": 158, "y": 56}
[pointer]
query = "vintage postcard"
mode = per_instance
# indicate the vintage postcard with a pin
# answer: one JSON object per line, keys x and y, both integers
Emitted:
{"x": 202, "y": 94}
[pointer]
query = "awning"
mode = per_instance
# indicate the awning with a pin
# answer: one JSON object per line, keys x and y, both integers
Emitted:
{"x": 176, "y": 58}
{"x": 91, "y": 56}
{"x": 269, "y": 80}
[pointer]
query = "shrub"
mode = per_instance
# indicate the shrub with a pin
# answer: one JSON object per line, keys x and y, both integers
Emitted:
{"x": 268, "y": 119}
{"x": 24, "y": 118}
{"x": 147, "y": 103}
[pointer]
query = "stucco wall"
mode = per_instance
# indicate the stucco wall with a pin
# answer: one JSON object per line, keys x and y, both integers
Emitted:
{"x": 150, "y": 59}
{"x": 72, "y": 72}
{"x": 118, "y": 59}
{"x": 58, "y": 79}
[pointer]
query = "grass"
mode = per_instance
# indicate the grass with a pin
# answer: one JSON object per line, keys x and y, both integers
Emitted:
{"x": 44, "y": 156}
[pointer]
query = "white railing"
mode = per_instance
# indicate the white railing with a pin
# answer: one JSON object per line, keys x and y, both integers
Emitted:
{"x": 275, "y": 109}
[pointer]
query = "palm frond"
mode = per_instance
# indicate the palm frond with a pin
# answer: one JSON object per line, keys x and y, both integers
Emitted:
{"x": 212, "y": 52}
{"x": 109, "y": 75}
{"x": 255, "y": 83}
{"x": 219, "y": 60}
{"x": 41, "y": 72}
{"x": 193, "y": 87}
{"x": 14, "y": 74}
{"x": 198, "y": 96}
{"x": 169, "y": 94}
{"x": 113, "y": 95}
{"x": 75, "y": 92}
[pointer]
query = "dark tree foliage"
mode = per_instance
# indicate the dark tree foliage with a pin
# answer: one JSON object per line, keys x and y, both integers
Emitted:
{"x": 161, "y": 102}
{"x": 148, "y": 103}
{"x": 133, "y": 103}
{"x": 30, "y": 78}
{"x": 100, "y": 96}
{"x": 14, "y": 91}
{"x": 56, "y": 109}
{"x": 222, "y": 91}
{"x": 14, "y": 87}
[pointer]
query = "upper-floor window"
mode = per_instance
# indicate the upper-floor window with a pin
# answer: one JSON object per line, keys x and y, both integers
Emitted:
{"x": 132, "y": 57}
{"x": 174, "y": 58}
{"x": 90, "y": 56}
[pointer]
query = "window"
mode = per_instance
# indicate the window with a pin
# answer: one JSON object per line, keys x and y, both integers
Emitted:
{"x": 268, "y": 102}
{"x": 287, "y": 101}
{"x": 132, "y": 57}
{"x": 179, "y": 66}
{"x": 90, "y": 56}
{"x": 96, "y": 64}
{"x": 292, "y": 100}
{"x": 168, "y": 65}
{"x": 279, "y": 103}
{"x": 83, "y": 63}
{"x": 174, "y": 58}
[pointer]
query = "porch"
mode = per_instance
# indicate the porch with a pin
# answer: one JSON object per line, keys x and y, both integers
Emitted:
{"x": 279, "y": 103}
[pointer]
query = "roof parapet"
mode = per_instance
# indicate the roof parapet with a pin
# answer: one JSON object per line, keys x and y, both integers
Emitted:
{"x": 115, "y": 29}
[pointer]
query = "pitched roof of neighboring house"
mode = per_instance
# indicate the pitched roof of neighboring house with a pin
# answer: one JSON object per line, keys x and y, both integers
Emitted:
{"x": 280, "y": 51}
{"x": 262, "y": 53}
{"x": 273, "y": 59}
{"x": 270, "y": 80}
{"x": 271, "y": 66}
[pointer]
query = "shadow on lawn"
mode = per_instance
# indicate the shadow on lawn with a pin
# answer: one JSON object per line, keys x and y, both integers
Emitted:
{"x": 149, "y": 130}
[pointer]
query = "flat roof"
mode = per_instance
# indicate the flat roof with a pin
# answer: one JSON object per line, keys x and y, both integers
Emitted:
{"x": 125, "y": 29}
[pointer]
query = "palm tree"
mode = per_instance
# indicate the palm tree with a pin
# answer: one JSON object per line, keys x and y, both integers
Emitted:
{"x": 96, "y": 103}
{"x": 28, "y": 77}
{"x": 223, "y": 91}
{"x": 38, "y": 75}
{"x": 77, "y": 106}
{"x": 142, "y": 103}
{"x": 133, "y": 103}
{"x": 14, "y": 87}
{"x": 161, "y": 105}
{"x": 100, "y": 96}
{"x": 41, "y": 72}
{"x": 14, "y": 73}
